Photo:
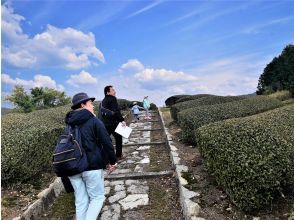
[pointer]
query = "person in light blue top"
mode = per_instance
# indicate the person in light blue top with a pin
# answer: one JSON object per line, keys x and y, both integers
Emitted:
{"x": 146, "y": 105}
{"x": 136, "y": 111}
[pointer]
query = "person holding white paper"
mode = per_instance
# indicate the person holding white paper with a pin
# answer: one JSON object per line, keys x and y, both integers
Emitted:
{"x": 112, "y": 120}
{"x": 124, "y": 131}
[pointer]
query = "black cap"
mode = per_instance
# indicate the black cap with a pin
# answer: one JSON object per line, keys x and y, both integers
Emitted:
{"x": 80, "y": 98}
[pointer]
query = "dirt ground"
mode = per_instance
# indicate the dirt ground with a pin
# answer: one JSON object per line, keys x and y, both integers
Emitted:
{"x": 164, "y": 200}
{"x": 159, "y": 154}
{"x": 215, "y": 204}
{"x": 15, "y": 200}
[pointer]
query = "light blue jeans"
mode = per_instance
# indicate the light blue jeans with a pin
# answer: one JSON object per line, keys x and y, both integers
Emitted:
{"x": 89, "y": 194}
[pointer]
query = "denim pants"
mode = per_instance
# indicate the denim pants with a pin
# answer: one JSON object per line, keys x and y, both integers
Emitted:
{"x": 89, "y": 194}
{"x": 136, "y": 117}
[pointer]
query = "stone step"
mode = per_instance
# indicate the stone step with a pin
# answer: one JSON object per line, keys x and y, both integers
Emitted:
{"x": 150, "y": 120}
{"x": 147, "y": 143}
{"x": 153, "y": 129}
{"x": 143, "y": 175}
{"x": 153, "y": 111}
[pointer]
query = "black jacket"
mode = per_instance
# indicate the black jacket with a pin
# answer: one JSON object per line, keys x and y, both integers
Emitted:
{"x": 110, "y": 102}
{"x": 95, "y": 139}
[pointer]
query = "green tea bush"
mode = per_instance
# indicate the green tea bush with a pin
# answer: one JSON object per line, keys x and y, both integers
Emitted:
{"x": 153, "y": 106}
{"x": 208, "y": 100}
{"x": 173, "y": 99}
{"x": 288, "y": 101}
{"x": 281, "y": 95}
{"x": 124, "y": 104}
{"x": 28, "y": 141}
{"x": 191, "y": 97}
{"x": 193, "y": 118}
{"x": 252, "y": 158}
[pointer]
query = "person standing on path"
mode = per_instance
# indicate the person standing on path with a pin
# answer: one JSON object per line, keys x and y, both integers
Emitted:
{"x": 89, "y": 185}
{"x": 110, "y": 103}
{"x": 136, "y": 111}
{"x": 146, "y": 105}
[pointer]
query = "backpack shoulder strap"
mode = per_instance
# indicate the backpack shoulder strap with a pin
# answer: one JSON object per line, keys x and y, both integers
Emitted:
{"x": 68, "y": 129}
{"x": 76, "y": 130}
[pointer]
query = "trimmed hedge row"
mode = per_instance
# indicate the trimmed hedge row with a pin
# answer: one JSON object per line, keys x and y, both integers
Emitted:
{"x": 173, "y": 99}
{"x": 288, "y": 101}
{"x": 252, "y": 158}
{"x": 281, "y": 95}
{"x": 192, "y": 97}
{"x": 193, "y": 118}
{"x": 208, "y": 100}
{"x": 28, "y": 141}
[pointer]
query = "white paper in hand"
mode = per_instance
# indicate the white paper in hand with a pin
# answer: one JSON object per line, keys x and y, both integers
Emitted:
{"x": 123, "y": 131}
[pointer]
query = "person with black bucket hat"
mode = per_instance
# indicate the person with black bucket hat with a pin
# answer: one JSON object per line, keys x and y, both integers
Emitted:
{"x": 89, "y": 185}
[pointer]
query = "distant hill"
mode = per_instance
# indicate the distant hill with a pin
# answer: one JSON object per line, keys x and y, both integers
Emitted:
{"x": 249, "y": 95}
{"x": 5, "y": 111}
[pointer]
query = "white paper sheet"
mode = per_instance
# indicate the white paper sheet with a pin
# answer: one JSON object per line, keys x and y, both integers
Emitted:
{"x": 123, "y": 131}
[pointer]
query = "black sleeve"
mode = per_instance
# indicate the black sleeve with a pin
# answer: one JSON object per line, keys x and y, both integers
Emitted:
{"x": 116, "y": 109}
{"x": 103, "y": 136}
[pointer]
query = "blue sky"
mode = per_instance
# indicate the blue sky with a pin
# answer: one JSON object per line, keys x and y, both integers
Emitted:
{"x": 155, "y": 48}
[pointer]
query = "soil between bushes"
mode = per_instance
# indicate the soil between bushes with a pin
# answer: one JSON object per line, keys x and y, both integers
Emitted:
{"x": 16, "y": 199}
{"x": 215, "y": 204}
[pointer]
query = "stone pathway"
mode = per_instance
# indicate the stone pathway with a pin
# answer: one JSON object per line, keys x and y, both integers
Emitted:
{"x": 127, "y": 194}
{"x": 130, "y": 193}
{"x": 136, "y": 157}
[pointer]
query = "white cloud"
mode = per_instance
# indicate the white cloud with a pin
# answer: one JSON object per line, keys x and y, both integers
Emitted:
{"x": 60, "y": 47}
{"x": 200, "y": 10}
{"x": 256, "y": 28}
{"x": 10, "y": 25}
{"x": 21, "y": 58}
{"x": 132, "y": 64}
{"x": 103, "y": 15}
{"x": 38, "y": 81}
{"x": 217, "y": 84}
{"x": 149, "y": 74}
{"x": 213, "y": 16}
{"x": 146, "y": 8}
{"x": 219, "y": 79}
{"x": 81, "y": 79}
{"x": 225, "y": 76}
